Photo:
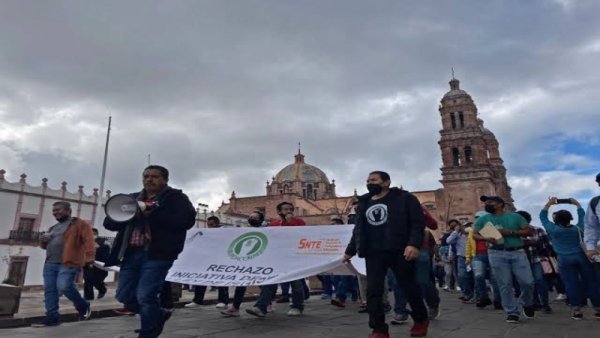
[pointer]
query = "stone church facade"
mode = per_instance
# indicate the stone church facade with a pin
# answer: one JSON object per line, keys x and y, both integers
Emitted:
{"x": 472, "y": 167}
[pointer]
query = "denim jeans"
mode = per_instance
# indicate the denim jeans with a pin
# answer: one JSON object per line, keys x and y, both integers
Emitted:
{"x": 541, "y": 287}
{"x": 327, "y": 282}
{"x": 580, "y": 281}
{"x": 450, "y": 274}
{"x": 482, "y": 271}
{"x": 344, "y": 285}
{"x": 268, "y": 291}
{"x": 140, "y": 281}
{"x": 504, "y": 264}
{"x": 60, "y": 280}
{"x": 285, "y": 289}
{"x": 465, "y": 278}
{"x": 424, "y": 280}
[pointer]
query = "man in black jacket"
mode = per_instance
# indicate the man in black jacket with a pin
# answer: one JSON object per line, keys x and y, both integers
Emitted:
{"x": 388, "y": 233}
{"x": 93, "y": 277}
{"x": 146, "y": 247}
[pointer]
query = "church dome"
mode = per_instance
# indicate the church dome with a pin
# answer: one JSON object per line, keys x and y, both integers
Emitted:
{"x": 455, "y": 90}
{"x": 301, "y": 171}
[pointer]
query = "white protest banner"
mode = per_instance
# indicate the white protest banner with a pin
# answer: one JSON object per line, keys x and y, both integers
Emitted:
{"x": 260, "y": 256}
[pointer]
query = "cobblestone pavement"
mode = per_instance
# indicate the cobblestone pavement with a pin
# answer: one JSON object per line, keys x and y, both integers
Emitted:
{"x": 322, "y": 320}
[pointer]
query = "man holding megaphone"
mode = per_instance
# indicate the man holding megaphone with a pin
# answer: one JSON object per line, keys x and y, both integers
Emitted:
{"x": 151, "y": 227}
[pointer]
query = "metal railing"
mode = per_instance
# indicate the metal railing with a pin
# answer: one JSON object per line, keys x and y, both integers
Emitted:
{"x": 24, "y": 236}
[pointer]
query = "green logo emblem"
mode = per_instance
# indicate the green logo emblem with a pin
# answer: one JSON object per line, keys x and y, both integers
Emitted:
{"x": 248, "y": 246}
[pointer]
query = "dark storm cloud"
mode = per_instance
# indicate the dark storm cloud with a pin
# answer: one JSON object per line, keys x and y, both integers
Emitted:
{"x": 222, "y": 91}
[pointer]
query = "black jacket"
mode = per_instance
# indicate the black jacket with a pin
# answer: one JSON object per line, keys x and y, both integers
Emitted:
{"x": 169, "y": 223}
{"x": 405, "y": 219}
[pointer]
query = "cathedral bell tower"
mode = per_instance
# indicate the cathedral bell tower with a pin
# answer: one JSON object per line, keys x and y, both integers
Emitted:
{"x": 471, "y": 159}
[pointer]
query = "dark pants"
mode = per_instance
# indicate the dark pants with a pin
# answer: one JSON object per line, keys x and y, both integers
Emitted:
{"x": 93, "y": 278}
{"x": 238, "y": 296}
{"x": 200, "y": 290}
{"x": 377, "y": 264}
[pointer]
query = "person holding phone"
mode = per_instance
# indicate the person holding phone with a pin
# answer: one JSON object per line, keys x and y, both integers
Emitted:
{"x": 575, "y": 268}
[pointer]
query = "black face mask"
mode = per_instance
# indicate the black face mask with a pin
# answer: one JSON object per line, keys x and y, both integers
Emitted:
{"x": 254, "y": 222}
{"x": 490, "y": 208}
{"x": 374, "y": 189}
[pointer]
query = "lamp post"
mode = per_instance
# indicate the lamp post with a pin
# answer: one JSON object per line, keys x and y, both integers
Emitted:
{"x": 201, "y": 206}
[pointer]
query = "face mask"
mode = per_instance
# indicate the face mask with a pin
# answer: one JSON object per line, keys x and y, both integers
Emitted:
{"x": 374, "y": 189}
{"x": 254, "y": 222}
{"x": 490, "y": 208}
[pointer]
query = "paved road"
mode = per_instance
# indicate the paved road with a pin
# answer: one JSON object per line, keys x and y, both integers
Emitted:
{"x": 322, "y": 320}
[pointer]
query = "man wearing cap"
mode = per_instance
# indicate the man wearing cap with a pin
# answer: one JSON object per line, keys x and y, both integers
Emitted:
{"x": 508, "y": 258}
{"x": 592, "y": 230}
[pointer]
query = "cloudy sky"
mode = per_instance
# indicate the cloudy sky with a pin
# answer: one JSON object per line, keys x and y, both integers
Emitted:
{"x": 221, "y": 92}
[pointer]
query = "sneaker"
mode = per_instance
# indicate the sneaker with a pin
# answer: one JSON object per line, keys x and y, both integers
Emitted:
{"x": 256, "y": 312}
{"x": 399, "y": 318}
{"x": 419, "y": 329}
{"x": 338, "y": 303}
{"x": 528, "y": 312}
{"x": 597, "y": 314}
{"x": 231, "y": 312}
{"x": 191, "y": 305}
{"x": 46, "y": 322}
{"x": 86, "y": 312}
{"x": 462, "y": 298}
{"x": 446, "y": 288}
{"x": 577, "y": 315}
{"x": 513, "y": 319}
{"x": 221, "y": 305}
{"x": 363, "y": 310}
{"x": 294, "y": 312}
{"x": 483, "y": 303}
{"x": 270, "y": 308}
{"x": 548, "y": 310}
{"x": 561, "y": 296}
{"x": 123, "y": 311}
{"x": 325, "y": 296}
{"x": 101, "y": 294}
{"x": 283, "y": 300}
{"x": 378, "y": 335}
{"x": 434, "y": 312}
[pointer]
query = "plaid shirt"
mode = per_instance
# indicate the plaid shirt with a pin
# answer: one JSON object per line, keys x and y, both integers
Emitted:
{"x": 141, "y": 236}
{"x": 538, "y": 246}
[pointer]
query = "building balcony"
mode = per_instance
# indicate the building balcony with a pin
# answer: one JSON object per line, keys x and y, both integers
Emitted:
{"x": 21, "y": 236}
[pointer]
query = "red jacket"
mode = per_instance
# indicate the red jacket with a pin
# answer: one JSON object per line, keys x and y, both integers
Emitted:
{"x": 293, "y": 222}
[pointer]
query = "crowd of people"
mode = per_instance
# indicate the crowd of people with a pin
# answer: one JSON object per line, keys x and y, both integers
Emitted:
{"x": 499, "y": 260}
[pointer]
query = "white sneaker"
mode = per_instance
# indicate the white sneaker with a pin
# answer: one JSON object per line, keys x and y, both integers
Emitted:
{"x": 221, "y": 305}
{"x": 192, "y": 304}
{"x": 561, "y": 296}
{"x": 270, "y": 308}
{"x": 255, "y": 312}
{"x": 294, "y": 312}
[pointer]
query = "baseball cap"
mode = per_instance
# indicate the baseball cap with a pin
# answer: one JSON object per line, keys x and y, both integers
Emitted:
{"x": 491, "y": 198}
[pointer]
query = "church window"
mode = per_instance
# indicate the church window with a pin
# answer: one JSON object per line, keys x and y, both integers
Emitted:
{"x": 286, "y": 189}
{"x": 453, "y": 118}
{"x": 309, "y": 191}
{"x": 304, "y": 193}
{"x": 455, "y": 157}
{"x": 461, "y": 118}
{"x": 468, "y": 154}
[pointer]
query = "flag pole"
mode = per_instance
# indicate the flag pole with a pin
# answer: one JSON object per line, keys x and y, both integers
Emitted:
{"x": 99, "y": 207}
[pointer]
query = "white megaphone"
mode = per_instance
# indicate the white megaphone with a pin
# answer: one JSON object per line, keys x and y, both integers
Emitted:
{"x": 121, "y": 208}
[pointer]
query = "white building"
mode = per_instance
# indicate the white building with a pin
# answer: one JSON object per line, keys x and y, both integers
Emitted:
{"x": 26, "y": 212}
